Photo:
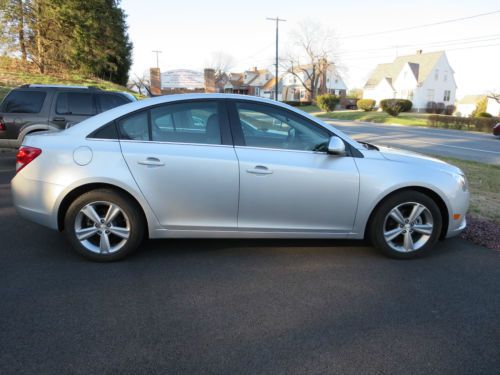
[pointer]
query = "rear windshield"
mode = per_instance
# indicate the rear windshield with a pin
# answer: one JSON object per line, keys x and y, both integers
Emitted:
{"x": 23, "y": 102}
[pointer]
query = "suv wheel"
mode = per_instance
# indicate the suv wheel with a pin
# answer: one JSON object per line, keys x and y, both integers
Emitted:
{"x": 104, "y": 225}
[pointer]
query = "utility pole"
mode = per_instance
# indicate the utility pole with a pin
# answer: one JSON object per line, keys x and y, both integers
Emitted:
{"x": 278, "y": 20}
{"x": 157, "y": 58}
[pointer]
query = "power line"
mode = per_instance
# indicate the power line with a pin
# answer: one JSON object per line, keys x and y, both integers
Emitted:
{"x": 420, "y": 26}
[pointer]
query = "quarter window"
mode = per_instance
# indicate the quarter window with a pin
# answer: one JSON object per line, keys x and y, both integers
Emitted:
{"x": 24, "y": 102}
{"x": 267, "y": 127}
{"x": 134, "y": 127}
{"x": 75, "y": 103}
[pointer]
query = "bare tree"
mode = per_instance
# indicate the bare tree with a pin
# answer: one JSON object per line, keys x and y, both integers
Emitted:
{"x": 310, "y": 55}
{"x": 494, "y": 96}
{"x": 221, "y": 63}
{"x": 140, "y": 83}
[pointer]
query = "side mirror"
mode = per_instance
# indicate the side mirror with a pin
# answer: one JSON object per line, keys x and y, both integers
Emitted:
{"x": 336, "y": 146}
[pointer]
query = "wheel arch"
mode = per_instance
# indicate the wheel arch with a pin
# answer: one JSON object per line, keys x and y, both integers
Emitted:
{"x": 443, "y": 209}
{"x": 76, "y": 192}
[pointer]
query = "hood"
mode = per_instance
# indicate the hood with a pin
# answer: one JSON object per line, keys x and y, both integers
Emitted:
{"x": 410, "y": 157}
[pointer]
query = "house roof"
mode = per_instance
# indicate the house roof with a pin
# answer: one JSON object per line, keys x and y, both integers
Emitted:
{"x": 269, "y": 85}
{"x": 420, "y": 64}
{"x": 470, "y": 99}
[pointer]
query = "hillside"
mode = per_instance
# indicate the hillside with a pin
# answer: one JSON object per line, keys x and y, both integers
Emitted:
{"x": 12, "y": 76}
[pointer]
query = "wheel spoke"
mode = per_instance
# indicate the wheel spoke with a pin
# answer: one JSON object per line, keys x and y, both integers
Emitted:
{"x": 91, "y": 213}
{"x": 397, "y": 215}
{"x": 408, "y": 242}
{"x": 84, "y": 233}
{"x": 423, "y": 228}
{"x": 120, "y": 232}
{"x": 392, "y": 234}
{"x": 417, "y": 210}
{"x": 112, "y": 213}
{"x": 104, "y": 244}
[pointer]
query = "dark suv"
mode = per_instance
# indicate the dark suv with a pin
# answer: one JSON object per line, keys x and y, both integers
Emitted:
{"x": 31, "y": 108}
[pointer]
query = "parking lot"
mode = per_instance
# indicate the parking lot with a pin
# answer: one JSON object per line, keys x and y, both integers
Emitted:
{"x": 241, "y": 306}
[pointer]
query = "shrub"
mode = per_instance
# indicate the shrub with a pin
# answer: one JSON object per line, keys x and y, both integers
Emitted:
{"x": 449, "y": 109}
{"x": 484, "y": 114}
{"x": 431, "y": 107}
{"x": 482, "y": 124}
{"x": 439, "y": 108}
{"x": 395, "y": 106}
{"x": 480, "y": 107}
{"x": 366, "y": 104}
{"x": 327, "y": 102}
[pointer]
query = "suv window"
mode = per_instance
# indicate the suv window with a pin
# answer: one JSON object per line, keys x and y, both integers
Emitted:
{"x": 268, "y": 127}
{"x": 24, "y": 102}
{"x": 75, "y": 103}
{"x": 192, "y": 122}
{"x": 109, "y": 101}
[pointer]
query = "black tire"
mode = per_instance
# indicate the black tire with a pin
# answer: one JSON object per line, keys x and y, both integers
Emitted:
{"x": 384, "y": 221}
{"x": 113, "y": 239}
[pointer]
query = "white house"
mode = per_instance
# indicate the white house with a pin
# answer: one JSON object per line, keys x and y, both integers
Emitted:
{"x": 250, "y": 82}
{"x": 493, "y": 107}
{"x": 293, "y": 89}
{"x": 421, "y": 78}
{"x": 468, "y": 104}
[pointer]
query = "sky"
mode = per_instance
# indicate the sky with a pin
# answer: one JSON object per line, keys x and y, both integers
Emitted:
{"x": 189, "y": 32}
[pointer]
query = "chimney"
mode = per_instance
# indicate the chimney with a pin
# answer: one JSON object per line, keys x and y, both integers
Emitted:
{"x": 155, "y": 79}
{"x": 419, "y": 51}
{"x": 209, "y": 80}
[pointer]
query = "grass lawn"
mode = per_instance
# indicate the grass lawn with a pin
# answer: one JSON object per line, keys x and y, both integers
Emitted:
{"x": 416, "y": 119}
{"x": 484, "y": 183}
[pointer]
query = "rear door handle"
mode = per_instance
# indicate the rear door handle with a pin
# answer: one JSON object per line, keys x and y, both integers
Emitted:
{"x": 151, "y": 162}
{"x": 58, "y": 119}
{"x": 259, "y": 169}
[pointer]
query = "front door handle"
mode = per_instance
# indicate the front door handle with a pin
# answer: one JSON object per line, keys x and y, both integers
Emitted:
{"x": 259, "y": 170}
{"x": 151, "y": 162}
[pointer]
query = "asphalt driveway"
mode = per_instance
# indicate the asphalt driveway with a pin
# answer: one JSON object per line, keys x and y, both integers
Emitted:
{"x": 243, "y": 307}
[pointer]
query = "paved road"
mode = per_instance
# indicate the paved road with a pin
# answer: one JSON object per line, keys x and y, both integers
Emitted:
{"x": 443, "y": 142}
{"x": 243, "y": 307}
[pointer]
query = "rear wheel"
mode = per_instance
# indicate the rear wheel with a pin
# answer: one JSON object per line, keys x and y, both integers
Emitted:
{"x": 104, "y": 225}
{"x": 406, "y": 225}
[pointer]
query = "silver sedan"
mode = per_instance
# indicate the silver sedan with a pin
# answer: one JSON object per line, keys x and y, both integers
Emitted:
{"x": 215, "y": 165}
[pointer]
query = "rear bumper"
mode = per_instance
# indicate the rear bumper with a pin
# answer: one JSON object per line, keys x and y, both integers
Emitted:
{"x": 35, "y": 200}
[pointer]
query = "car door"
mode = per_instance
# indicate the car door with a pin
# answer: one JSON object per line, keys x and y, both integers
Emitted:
{"x": 287, "y": 179}
{"x": 72, "y": 107}
{"x": 182, "y": 158}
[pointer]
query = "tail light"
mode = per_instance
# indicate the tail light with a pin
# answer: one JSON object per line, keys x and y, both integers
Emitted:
{"x": 26, "y": 155}
{"x": 2, "y": 125}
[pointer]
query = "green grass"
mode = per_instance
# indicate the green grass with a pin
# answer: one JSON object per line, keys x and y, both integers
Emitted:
{"x": 413, "y": 119}
{"x": 484, "y": 185}
{"x": 10, "y": 78}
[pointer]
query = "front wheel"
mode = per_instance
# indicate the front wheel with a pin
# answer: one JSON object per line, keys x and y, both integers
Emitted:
{"x": 406, "y": 225}
{"x": 104, "y": 225}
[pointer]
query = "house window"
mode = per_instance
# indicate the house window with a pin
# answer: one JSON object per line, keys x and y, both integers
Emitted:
{"x": 336, "y": 81}
{"x": 257, "y": 91}
{"x": 302, "y": 94}
{"x": 445, "y": 77}
{"x": 337, "y": 92}
{"x": 436, "y": 74}
{"x": 430, "y": 95}
{"x": 446, "y": 96}
{"x": 410, "y": 94}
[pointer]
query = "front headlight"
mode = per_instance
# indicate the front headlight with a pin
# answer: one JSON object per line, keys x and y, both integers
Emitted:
{"x": 462, "y": 181}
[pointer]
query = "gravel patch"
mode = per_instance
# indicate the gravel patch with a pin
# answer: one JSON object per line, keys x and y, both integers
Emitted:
{"x": 482, "y": 232}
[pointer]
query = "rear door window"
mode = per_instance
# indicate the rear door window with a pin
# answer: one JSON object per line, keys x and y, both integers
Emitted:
{"x": 109, "y": 101}
{"x": 75, "y": 103}
{"x": 24, "y": 102}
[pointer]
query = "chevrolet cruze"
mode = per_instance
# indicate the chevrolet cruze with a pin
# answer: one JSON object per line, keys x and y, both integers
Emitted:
{"x": 230, "y": 166}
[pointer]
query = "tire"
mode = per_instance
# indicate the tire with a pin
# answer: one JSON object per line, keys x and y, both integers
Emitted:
{"x": 406, "y": 225}
{"x": 104, "y": 225}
